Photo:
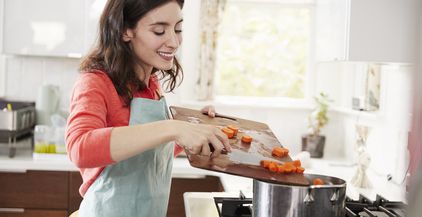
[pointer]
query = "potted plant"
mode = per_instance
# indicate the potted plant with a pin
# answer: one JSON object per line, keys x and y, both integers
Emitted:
{"x": 314, "y": 142}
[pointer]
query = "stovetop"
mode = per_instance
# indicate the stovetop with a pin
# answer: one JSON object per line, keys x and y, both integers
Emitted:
{"x": 381, "y": 207}
{"x": 363, "y": 207}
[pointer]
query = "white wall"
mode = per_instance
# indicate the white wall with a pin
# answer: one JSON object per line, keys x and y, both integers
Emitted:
{"x": 2, "y": 64}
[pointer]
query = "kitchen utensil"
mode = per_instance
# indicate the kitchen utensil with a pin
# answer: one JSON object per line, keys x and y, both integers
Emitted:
{"x": 47, "y": 103}
{"x": 240, "y": 156}
{"x": 16, "y": 120}
{"x": 217, "y": 115}
{"x": 279, "y": 200}
{"x": 244, "y": 158}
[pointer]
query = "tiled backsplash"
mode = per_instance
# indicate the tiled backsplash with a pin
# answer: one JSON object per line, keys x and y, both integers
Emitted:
{"x": 25, "y": 74}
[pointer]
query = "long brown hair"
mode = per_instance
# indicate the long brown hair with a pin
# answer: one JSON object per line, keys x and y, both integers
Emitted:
{"x": 114, "y": 56}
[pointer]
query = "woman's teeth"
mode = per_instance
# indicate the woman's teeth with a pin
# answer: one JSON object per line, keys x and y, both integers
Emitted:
{"x": 166, "y": 54}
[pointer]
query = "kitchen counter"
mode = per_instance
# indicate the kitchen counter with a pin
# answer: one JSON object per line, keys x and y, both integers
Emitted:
{"x": 24, "y": 161}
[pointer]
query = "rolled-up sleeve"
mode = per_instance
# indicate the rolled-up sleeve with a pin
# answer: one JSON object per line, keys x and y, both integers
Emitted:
{"x": 87, "y": 135}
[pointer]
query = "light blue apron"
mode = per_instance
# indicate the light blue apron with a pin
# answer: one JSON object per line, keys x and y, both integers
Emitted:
{"x": 138, "y": 186}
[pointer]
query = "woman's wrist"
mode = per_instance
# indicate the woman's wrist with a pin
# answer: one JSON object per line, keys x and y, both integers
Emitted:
{"x": 173, "y": 128}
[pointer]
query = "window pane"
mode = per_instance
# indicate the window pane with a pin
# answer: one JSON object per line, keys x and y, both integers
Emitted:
{"x": 263, "y": 50}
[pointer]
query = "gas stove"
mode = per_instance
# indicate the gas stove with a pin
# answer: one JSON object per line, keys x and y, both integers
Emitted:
{"x": 381, "y": 207}
{"x": 363, "y": 207}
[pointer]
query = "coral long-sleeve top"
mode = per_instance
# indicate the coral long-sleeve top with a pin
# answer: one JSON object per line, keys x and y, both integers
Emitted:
{"x": 95, "y": 108}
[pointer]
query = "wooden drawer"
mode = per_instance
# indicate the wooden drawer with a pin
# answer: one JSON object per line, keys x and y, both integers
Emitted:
{"x": 34, "y": 189}
{"x": 75, "y": 198}
{"x": 32, "y": 213}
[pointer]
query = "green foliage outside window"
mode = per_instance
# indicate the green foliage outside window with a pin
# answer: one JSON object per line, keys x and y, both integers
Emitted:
{"x": 263, "y": 50}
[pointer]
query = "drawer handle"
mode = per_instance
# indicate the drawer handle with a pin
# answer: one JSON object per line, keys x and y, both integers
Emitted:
{"x": 12, "y": 210}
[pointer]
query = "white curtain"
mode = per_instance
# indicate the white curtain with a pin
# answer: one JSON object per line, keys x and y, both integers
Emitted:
{"x": 211, "y": 15}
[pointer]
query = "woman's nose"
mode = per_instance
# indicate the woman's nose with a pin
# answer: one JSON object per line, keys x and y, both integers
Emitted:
{"x": 173, "y": 40}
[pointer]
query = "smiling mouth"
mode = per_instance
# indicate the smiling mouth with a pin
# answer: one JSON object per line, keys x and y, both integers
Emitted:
{"x": 166, "y": 55}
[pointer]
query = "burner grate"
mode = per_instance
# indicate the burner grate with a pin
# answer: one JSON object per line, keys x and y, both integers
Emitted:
{"x": 234, "y": 206}
{"x": 381, "y": 207}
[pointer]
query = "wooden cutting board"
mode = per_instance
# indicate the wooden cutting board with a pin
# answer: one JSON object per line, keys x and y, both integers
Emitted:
{"x": 244, "y": 159}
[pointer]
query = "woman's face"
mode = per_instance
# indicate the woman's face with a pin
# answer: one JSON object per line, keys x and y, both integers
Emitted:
{"x": 157, "y": 36}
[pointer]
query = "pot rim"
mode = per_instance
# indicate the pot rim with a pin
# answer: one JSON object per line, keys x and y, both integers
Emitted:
{"x": 340, "y": 182}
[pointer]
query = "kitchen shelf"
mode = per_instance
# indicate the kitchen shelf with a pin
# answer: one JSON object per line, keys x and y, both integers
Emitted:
{"x": 370, "y": 115}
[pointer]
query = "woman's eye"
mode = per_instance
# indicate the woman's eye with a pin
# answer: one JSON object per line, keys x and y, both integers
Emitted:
{"x": 178, "y": 31}
{"x": 159, "y": 33}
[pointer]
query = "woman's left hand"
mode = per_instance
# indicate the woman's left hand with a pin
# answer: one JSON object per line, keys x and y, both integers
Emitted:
{"x": 209, "y": 110}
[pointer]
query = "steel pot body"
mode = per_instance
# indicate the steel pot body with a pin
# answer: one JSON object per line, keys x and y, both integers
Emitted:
{"x": 277, "y": 200}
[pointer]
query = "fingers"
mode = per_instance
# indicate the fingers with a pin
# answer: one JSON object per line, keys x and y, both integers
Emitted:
{"x": 217, "y": 145}
{"x": 224, "y": 140}
{"x": 205, "y": 149}
{"x": 209, "y": 110}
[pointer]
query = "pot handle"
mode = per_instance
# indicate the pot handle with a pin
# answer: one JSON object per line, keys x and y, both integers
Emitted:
{"x": 309, "y": 198}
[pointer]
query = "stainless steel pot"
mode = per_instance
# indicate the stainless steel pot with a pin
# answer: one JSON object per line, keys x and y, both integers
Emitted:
{"x": 277, "y": 200}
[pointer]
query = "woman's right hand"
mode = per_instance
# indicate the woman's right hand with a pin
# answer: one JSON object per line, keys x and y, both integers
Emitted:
{"x": 197, "y": 138}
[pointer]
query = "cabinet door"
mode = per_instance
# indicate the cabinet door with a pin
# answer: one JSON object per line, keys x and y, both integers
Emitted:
{"x": 34, "y": 189}
{"x": 74, "y": 197}
{"x": 44, "y": 27}
{"x": 330, "y": 30}
{"x": 366, "y": 31}
{"x": 179, "y": 186}
{"x": 382, "y": 30}
{"x": 32, "y": 213}
{"x": 1, "y": 29}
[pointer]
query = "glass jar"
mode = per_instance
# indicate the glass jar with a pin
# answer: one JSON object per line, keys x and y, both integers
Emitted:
{"x": 42, "y": 137}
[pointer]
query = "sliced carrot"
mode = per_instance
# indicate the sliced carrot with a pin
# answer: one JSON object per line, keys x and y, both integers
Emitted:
{"x": 265, "y": 163}
{"x": 297, "y": 163}
{"x": 278, "y": 152}
{"x": 273, "y": 167}
{"x": 228, "y": 132}
{"x": 234, "y": 128}
{"x": 286, "y": 151}
{"x": 281, "y": 169}
{"x": 300, "y": 169}
{"x": 246, "y": 139}
{"x": 289, "y": 168}
{"x": 318, "y": 181}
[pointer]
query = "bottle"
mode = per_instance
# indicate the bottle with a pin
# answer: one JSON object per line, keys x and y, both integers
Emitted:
{"x": 41, "y": 138}
{"x": 59, "y": 140}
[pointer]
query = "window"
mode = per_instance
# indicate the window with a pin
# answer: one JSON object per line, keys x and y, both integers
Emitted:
{"x": 263, "y": 49}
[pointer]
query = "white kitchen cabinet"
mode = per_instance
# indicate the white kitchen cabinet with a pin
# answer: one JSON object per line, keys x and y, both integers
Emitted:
{"x": 62, "y": 28}
{"x": 366, "y": 31}
{"x": 1, "y": 26}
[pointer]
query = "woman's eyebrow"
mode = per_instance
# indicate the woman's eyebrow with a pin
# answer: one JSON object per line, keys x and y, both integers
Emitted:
{"x": 164, "y": 23}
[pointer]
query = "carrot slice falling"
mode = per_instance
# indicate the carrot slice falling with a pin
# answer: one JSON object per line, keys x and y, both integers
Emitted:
{"x": 318, "y": 181}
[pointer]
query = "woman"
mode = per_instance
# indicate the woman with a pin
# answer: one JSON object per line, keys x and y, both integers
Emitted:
{"x": 118, "y": 131}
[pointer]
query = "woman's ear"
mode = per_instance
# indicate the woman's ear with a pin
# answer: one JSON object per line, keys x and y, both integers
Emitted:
{"x": 127, "y": 35}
